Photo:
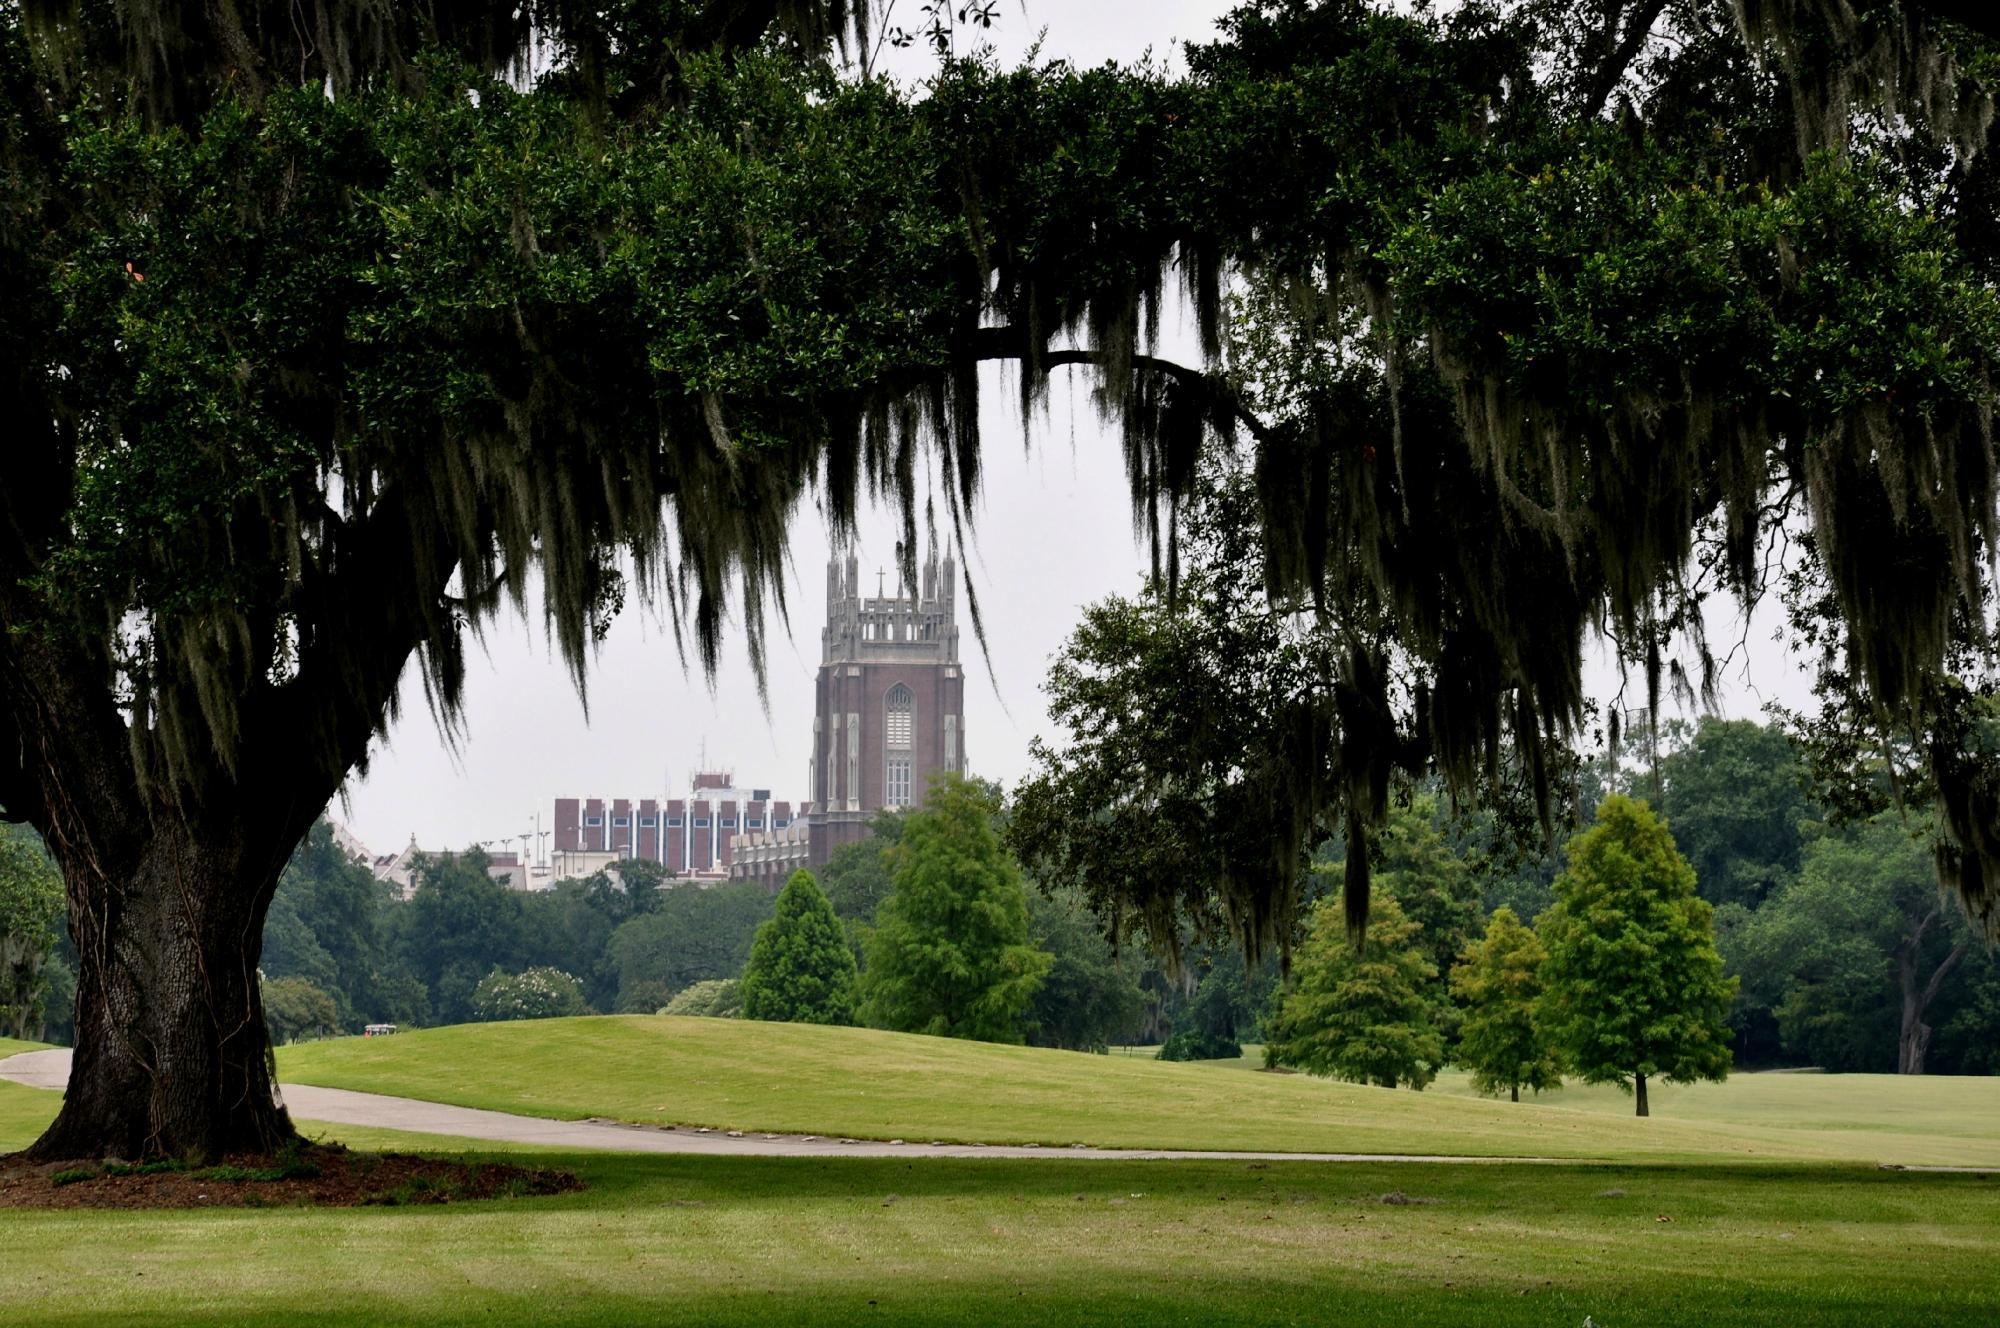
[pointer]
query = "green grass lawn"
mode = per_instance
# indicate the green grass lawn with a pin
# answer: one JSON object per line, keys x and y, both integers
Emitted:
{"x": 860, "y": 1082}
{"x": 10, "y": 1047}
{"x": 1964, "y": 1107}
{"x": 1053, "y": 1241}
{"x": 1059, "y": 1241}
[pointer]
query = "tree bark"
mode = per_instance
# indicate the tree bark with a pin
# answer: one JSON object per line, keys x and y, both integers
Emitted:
{"x": 166, "y": 907}
{"x": 1514, "y": 1092}
{"x": 172, "y": 1056}
{"x": 1639, "y": 1090}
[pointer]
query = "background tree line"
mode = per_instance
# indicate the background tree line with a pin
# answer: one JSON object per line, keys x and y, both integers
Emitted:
{"x": 1847, "y": 954}
{"x": 1847, "y": 951}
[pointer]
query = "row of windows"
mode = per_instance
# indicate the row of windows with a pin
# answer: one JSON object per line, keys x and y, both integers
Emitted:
{"x": 674, "y": 822}
{"x": 874, "y": 631}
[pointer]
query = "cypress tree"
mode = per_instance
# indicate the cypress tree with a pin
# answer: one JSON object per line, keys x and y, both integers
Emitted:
{"x": 800, "y": 971}
{"x": 1634, "y": 986}
{"x": 1499, "y": 981}
{"x": 1360, "y": 1014}
{"x": 950, "y": 954}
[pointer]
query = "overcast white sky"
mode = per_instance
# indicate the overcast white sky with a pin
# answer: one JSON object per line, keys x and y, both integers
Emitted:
{"x": 1054, "y": 533}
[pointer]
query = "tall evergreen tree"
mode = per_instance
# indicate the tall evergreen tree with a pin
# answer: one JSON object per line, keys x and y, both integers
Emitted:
{"x": 1634, "y": 986}
{"x": 950, "y": 954}
{"x": 1365, "y": 1013}
{"x": 800, "y": 970}
{"x": 1498, "y": 981}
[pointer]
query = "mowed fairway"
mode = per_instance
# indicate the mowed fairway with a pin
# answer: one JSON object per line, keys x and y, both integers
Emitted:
{"x": 1051, "y": 1241}
{"x": 1061, "y": 1241}
{"x": 730, "y": 1074}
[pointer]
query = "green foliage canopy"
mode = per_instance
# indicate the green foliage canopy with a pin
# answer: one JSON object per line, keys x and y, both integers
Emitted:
{"x": 1851, "y": 955}
{"x": 1090, "y": 998}
{"x": 695, "y": 933}
{"x": 1360, "y": 1014}
{"x": 1736, "y": 797}
{"x": 298, "y": 1011}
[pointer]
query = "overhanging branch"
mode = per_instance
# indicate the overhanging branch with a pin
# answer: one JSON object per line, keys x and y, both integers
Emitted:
{"x": 1221, "y": 400}
{"x": 1618, "y": 57}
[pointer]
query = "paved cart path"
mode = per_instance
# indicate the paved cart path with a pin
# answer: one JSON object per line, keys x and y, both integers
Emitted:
{"x": 340, "y": 1106}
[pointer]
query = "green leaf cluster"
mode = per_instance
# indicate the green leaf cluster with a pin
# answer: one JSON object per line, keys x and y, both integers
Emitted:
{"x": 1498, "y": 983}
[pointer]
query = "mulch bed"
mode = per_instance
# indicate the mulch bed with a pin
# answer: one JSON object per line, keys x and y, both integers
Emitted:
{"x": 312, "y": 1177}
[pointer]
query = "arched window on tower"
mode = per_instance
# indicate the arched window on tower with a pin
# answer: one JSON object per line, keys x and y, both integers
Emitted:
{"x": 899, "y": 742}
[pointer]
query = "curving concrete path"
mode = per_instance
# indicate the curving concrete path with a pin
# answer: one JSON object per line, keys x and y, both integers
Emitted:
{"x": 340, "y": 1106}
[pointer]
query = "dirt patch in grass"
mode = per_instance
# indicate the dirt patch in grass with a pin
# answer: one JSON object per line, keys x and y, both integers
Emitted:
{"x": 317, "y": 1176}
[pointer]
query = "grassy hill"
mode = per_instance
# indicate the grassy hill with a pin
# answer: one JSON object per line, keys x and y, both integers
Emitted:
{"x": 871, "y": 1084}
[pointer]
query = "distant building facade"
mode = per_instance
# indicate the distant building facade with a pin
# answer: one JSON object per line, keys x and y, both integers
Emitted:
{"x": 770, "y": 857}
{"x": 692, "y": 837}
{"x": 401, "y": 870}
{"x": 890, "y": 701}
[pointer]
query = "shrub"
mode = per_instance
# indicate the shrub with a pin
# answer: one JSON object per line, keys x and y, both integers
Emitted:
{"x": 718, "y": 998}
{"x": 538, "y": 993}
{"x": 1194, "y": 1044}
{"x": 297, "y": 1010}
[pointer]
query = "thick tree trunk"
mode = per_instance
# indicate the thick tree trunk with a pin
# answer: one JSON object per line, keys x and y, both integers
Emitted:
{"x": 1514, "y": 1092}
{"x": 172, "y": 1056}
{"x": 1639, "y": 1091}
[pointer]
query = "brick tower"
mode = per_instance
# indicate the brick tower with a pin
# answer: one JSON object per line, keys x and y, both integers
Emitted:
{"x": 890, "y": 704}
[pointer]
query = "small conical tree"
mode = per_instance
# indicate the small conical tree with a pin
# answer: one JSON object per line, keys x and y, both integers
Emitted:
{"x": 800, "y": 970}
{"x": 1498, "y": 980}
{"x": 1633, "y": 987}
{"x": 950, "y": 954}
{"x": 1363, "y": 1016}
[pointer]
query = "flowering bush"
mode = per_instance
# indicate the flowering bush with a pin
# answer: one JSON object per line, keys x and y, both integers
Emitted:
{"x": 538, "y": 993}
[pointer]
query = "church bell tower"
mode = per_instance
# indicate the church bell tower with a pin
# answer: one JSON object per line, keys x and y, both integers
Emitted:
{"x": 890, "y": 703}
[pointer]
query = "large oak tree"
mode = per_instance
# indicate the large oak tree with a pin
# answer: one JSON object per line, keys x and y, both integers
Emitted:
{"x": 328, "y": 327}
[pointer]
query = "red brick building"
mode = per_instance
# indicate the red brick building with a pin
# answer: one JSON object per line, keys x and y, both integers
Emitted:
{"x": 890, "y": 702}
{"x": 693, "y": 837}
